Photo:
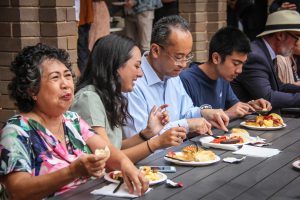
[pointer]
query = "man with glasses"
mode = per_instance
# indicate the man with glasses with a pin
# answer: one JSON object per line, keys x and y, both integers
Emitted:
{"x": 259, "y": 78}
{"x": 209, "y": 82}
{"x": 170, "y": 53}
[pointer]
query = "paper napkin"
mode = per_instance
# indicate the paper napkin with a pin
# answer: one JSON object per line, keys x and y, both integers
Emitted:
{"x": 122, "y": 192}
{"x": 257, "y": 151}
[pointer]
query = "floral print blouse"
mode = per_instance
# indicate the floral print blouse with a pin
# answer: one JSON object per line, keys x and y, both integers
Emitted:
{"x": 27, "y": 146}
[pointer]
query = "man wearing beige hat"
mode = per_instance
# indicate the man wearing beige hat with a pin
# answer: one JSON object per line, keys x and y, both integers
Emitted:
{"x": 259, "y": 78}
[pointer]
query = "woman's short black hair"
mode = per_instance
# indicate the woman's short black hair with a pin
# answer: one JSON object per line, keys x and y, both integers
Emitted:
{"x": 108, "y": 55}
{"x": 27, "y": 70}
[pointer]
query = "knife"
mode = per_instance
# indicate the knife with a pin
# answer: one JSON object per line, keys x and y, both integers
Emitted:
{"x": 214, "y": 136}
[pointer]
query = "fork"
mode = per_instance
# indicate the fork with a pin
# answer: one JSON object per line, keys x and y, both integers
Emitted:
{"x": 262, "y": 112}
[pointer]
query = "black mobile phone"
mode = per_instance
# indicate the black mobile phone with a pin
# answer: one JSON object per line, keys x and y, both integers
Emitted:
{"x": 168, "y": 169}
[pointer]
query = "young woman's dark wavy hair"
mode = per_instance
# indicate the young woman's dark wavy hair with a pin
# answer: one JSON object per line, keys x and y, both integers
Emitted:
{"x": 108, "y": 55}
{"x": 27, "y": 70}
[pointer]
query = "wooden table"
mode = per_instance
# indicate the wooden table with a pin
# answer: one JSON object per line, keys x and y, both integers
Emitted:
{"x": 254, "y": 178}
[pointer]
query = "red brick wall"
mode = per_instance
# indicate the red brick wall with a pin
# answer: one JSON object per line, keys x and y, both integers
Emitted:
{"x": 27, "y": 22}
{"x": 205, "y": 17}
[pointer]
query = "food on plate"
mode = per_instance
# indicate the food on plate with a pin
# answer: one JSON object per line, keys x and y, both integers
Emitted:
{"x": 237, "y": 136}
{"x": 103, "y": 152}
{"x": 193, "y": 153}
{"x": 277, "y": 117}
{"x": 271, "y": 120}
{"x": 151, "y": 175}
{"x": 239, "y": 131}
{"x": 190, "y": 149}
{"x": 228, "y": 140}
{"x": 116, "y": 175}
{"x": 204, "y": 156}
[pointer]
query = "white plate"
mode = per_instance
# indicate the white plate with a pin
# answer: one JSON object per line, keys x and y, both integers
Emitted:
{"x": 162, "y": 177}
{"x": 262, "y": 128}
{"x": 206, "y": 142}
{"x": 192, "y": 163}
{"x": 118, "y": 3}
{"x": 297, "y": 164}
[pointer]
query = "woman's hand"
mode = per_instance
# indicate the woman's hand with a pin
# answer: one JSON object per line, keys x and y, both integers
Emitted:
{"x": 171, "y": 137}
{"x": 134, "y": 178}
{"x": 164, "y": 117}
{"x": 88, "y": 165}
{"x": 157, "y": 119}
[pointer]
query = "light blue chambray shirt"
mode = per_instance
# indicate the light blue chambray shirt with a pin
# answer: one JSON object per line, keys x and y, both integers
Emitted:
{"x": 150, "y": 91}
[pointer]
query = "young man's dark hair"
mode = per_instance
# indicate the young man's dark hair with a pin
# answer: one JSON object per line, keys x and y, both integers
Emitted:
{"x": 227, "y": 40}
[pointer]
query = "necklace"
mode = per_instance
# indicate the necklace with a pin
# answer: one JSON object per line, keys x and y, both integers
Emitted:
{"x": 60, "y": 135}
{"x": 56, "y": 131}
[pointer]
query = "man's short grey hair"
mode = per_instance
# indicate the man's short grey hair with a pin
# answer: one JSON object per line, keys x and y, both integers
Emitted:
{"x": 163, "y": 27}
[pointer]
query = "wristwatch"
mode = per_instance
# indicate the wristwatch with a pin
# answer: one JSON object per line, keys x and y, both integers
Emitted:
{"x": 205, "y": 106}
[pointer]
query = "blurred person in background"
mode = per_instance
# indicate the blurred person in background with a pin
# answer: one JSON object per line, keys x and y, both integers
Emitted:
{"x": 284, "y": 5}
{"x": 94, "y": 23}
{"x": 252, "y": 14}
{"x": 139, "y": 17}
{"x": 170, "y": 7}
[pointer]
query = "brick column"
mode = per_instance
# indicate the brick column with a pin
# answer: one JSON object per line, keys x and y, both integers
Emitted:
{"x": 27, "y": 22}
{"x": 205, "y": 18}
{"x": 58, "y": 27}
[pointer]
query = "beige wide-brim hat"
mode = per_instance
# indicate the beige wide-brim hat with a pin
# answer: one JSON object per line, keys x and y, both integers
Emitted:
{"x": 283, "y": 20}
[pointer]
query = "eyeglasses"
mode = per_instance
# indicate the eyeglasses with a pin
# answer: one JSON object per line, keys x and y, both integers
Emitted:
{"x": 178, "y": 61}
{"x": 296, "y": 37}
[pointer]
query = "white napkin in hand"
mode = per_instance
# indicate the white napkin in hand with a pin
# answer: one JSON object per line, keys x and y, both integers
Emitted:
{"x": 257, "y": 151}
{"x": 122, "y": 192}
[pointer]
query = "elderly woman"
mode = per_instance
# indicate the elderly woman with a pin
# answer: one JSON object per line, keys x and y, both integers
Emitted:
{"x": 113, "y": 66}
{"x": 46, "y": 150}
